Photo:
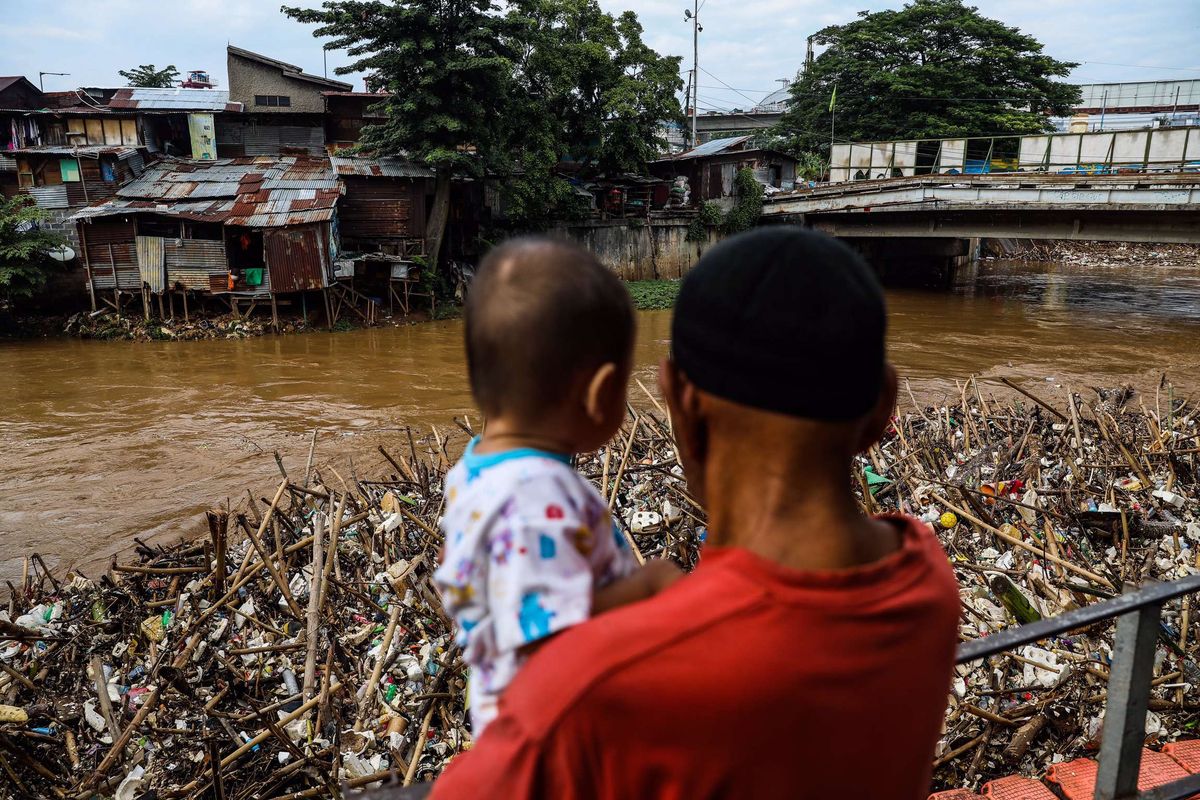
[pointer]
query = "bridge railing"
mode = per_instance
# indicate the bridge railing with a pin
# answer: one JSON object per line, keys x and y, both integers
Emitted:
{"x": 1169, "y": 149}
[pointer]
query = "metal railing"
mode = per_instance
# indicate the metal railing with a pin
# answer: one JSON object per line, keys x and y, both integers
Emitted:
{"x": 1129, "y": 680}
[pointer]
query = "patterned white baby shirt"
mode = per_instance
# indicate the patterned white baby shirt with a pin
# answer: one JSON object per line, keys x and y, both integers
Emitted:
{"x": 527, "y": 542}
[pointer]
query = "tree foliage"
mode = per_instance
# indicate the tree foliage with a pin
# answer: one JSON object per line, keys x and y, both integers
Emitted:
{"x": 509, "y": 91}
{"x": 747, "y": 208}
{"x": 589, "y": 92}
{"x": 933, "y": 69}
{"x": 441, "y": 64}
{"x": 23, "y": 245}
{"x": 147, "y": 76}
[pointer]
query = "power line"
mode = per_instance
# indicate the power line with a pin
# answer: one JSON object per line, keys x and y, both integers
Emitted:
{"x": 726, "y": 85}
{"x": 761, "y": 91}
{"x": 1140, "y": 66}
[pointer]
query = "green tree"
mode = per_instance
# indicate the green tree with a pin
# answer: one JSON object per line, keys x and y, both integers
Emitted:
{"x": 146, "y": 75}
{"x": 933, "y": 69}
{"x": 23, "y": 245}
{"x": 447, "y": 78}
{"x": 589, "y": 91}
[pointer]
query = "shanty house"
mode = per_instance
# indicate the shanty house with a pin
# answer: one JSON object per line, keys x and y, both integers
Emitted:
{"x": 17, "y": 92}
{"x": 242, "y": 228}
{"x": 384, "y": 206}
{"x": 284, "y": 107}
{"x": 347, "y": 113}
{"x": 381, "y": 219}
{"x": 177, "y": 121}
{"x": 710, "y": 168}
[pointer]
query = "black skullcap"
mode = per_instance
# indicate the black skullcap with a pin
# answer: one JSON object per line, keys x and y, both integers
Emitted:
{"x": 783, "y": 319}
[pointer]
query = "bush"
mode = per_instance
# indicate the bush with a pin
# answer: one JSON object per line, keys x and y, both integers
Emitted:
{"x": 709, "y": 216}
{"x": 748, "y": 207}
{"x": 653, "y": 295}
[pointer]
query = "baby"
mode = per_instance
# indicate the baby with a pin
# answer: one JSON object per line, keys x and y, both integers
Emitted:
{"x": 530, "y": 546}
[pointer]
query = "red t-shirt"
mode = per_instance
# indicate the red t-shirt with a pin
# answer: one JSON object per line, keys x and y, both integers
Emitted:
{"x": 743, "y": 680}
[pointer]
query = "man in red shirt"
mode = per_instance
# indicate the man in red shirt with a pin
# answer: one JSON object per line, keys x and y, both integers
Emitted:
{"x": 809, "y": 655}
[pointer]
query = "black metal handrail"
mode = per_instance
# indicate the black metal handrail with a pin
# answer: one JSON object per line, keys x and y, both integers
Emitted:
{"x": 1154, "y": 594}
{"x": 1137, "y": 613}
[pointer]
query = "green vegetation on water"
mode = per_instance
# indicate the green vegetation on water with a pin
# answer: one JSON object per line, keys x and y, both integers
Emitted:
{"x": 653, "y": 295}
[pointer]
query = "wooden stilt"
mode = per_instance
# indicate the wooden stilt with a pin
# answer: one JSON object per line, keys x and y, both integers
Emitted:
{"x": 87, "y": 264}
{"x": 274, "y": 314}
{"x": 185, "y": 308}
{"x": 171, "y": 303}
{"x": 145, "y": 303}
{"x": 161, "y": 314}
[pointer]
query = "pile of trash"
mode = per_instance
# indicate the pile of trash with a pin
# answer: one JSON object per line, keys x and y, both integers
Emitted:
{"x": 105, "y": 324}
{"x": 300, "y": 648}
{"x": 1108, "y": 254}
{"x": 1044, "y": 507}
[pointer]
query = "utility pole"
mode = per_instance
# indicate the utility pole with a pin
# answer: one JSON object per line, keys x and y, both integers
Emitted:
{"x": 694, "y": 16}
{"x": 808, "y": 55}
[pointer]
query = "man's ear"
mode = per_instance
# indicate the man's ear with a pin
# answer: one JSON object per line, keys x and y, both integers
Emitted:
{"x": 877, "y": 420}
{"x": 597, "y": 398}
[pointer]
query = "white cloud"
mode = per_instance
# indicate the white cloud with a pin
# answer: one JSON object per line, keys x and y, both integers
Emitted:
{"x": 747, "y": 44}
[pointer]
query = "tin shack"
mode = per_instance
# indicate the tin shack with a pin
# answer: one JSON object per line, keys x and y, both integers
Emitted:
{"x": 710, "y": 169}
{"x": 241, "y": 229}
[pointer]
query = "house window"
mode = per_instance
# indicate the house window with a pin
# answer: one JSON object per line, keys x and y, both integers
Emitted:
{"x": 68, "y": 169}
{"x": 272, "y": 100}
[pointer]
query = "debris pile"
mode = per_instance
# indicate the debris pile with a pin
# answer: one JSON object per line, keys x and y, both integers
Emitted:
{"x": 1107, "y": 254}
{"x": 1043, "y": 508}
{"x": 301, "y": 647}
{"x": 110, "y": 325}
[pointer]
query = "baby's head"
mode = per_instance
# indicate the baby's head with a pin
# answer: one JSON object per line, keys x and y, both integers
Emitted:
{"x": 550, "y": 341}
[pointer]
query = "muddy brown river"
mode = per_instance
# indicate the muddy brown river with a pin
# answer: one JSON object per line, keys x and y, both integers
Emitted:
{"x": 104, "y": 441}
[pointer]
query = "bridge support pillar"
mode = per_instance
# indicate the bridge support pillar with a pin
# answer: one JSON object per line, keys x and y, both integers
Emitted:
{"x": 931, "y": 262}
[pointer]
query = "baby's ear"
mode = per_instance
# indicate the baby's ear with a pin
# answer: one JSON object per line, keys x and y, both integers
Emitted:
{"x": 599, "y": 391}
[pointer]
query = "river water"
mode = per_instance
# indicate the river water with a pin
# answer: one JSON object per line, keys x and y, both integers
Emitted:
{"x": 104, "y": 441}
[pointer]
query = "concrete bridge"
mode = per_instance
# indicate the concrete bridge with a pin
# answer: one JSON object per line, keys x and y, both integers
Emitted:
{"x": 1146, "y": 207}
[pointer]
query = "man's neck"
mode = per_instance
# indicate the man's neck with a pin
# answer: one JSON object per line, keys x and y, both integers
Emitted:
{"x": 801, "y": 520}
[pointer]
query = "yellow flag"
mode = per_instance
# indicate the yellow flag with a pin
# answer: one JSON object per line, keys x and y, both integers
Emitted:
{"x": 833, "y": 97}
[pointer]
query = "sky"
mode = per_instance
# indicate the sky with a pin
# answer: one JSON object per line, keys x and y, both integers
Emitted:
{"x": 745, "y": 48}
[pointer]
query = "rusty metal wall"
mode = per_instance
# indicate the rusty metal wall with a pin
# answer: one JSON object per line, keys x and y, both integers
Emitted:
{"x": 150, "y": 262}
{"x": 193, "y": 263}
{"x": 382, "y": 208}
{"x": 296, "y": 259}
{"x": 111, "y": 252}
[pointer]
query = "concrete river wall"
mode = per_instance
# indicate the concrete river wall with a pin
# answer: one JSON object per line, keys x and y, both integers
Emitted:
{"x": 640, "y": 249}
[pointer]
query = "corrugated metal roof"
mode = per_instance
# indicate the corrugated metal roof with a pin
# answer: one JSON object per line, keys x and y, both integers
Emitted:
{"x": 714, "y": 147}
{"x": 88, "y": 150}
{"x": 386, "y": 167}
{"x": 173, "y": 99}
{"x": 49, "y": 196}
{"x": 251, "y": 191}
{"x": 197, "y": 211}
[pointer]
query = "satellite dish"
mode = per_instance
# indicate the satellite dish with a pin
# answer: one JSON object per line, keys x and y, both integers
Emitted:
{"x": 62, "y": 253}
